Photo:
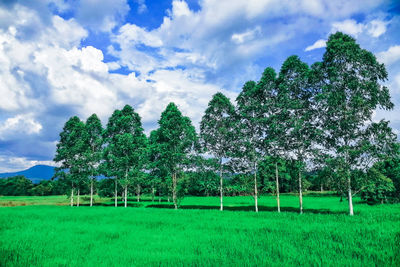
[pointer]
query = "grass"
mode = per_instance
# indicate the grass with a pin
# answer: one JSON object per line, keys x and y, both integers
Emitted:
{"x": 199, "y": 234}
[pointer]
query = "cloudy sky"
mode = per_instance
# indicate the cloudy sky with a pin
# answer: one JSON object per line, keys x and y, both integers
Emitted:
{"x": 63, "y": 58}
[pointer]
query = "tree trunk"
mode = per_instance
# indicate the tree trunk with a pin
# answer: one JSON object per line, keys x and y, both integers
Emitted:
{"x": 116, "y": 193}
{"x": 72, "y": 197}
{"x": 277, "y": 187}
{"x": 322, "y": 188}
{"x": 300, "y": 193}
{"x": 351, "y": 212}
{"x": 126, "y": 195}
{"x": 174, "y": 191}
{"x": 138, "y": 193}
{"x": 255, "y": 188}
{"x": 221, "y": 186}
{"x": 91, "y": 192}
{"x": 152, "y": 194}
{"x": 77, "y": 202}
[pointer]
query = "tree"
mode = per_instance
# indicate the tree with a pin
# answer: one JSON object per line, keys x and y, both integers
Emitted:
{"x": 297, "y": 115}
{"x": 125, "y": 153}
{"x": 70, "y": 154}
{"x": 390, "y": 168}
{"x": 94, "y": 132}
{"x": 15, "y": 186}
{"x": 273, "y": 131}
{"x": 176, "y": 138}
{"x": 216, "y": 132}
{"x": 351, "y": 91}
{"x": 379, "y": 187}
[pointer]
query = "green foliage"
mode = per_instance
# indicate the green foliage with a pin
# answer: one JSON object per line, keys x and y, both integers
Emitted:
{"x": 94, "y": 139}
{"x": 267, "y": 175}
{"x": 378, "y": 189}
{"x": 173, "y": 142}
{"x": 350, "y": 93}
{"x": 70, "y": 153}
{"x": 15, "y": 186}
{"x": 216, "y": 127}
{"x": 391, "y": 169}
{"x": 176, "y": 138}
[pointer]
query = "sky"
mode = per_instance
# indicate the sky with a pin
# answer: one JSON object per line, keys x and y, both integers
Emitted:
{"x": 61, "y": 58}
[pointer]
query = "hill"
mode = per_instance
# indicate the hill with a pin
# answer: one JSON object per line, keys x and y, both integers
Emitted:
{"x": 35, "y": 173}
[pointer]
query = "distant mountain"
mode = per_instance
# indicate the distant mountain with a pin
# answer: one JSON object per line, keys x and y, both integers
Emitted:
{"x": 35, "y": 173}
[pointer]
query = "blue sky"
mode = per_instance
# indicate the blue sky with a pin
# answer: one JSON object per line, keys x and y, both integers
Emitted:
{"x": 64, "y": 58}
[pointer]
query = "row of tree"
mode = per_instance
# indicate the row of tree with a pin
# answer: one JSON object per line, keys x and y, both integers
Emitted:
{"x": 317, "y": 117}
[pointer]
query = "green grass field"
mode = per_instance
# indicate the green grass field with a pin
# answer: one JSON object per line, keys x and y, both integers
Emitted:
{"x": 199, "y": 234}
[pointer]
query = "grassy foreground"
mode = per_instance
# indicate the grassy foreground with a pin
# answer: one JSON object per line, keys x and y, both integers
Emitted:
{"x": 200, "y": 235}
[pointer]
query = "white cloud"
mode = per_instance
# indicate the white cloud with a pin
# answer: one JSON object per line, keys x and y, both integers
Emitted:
{"x": 100, "y": 15}
{"x": 14, "y": 164}
{"x": 240, "y": 38}
{"x": 20, "y": 124}
{"x": 389, "y": 56}
{"x": 373, "y": 28}
{"x": 349, "y": 26}
{"x": 318, "y": 44}
{"x": 376, "y": 27}
{"x": 130, "y": 35}
{"x": 46, "y": 76}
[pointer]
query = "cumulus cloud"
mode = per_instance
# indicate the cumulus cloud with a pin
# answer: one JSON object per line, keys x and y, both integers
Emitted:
{"x": 373, "y": 28}
{"x": 318, "y": 44}
{"x": 100, "y": 15}
{"x": 20, "y": 124}
{"x": 376, "y": 27}
{"x": 349, "y": 26}
{"x": 390, "y": 56}
{"x": 47, "y": 75}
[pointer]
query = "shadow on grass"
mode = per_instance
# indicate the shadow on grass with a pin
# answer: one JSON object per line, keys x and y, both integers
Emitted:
{"x": 247, "y": 208}
{"x": 111, "y": 204}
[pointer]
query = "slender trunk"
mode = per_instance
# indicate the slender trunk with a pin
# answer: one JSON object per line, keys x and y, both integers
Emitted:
{"x": 152, "y": 194}
{"x": 277, "y": 187}
{"x": 72, "y": 197}
{"x": 138, "y": 193}
{"x": 221, "y": 186}
{"x": 116, "y": 193}
{"x": 322, "y": 189}
{"x": 168, "y": 199}
{"x": 255, "y": 187}
{"x": 126, "y": 195}
{"x": 77, "y": 203}
{"x": 91, "y": 192}
{"x": 126, "y": 188}
{"x": 174, "y": 190}
{"x": 159, "y": 199}
{"x": 351, "y": 212}
{"x": 300, "y": 193}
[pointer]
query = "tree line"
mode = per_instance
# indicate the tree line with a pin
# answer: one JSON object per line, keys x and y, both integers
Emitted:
{"x": 313, "y": 121}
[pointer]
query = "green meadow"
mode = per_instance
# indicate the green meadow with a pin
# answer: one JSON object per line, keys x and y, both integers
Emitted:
{"x": 153, "y": 234}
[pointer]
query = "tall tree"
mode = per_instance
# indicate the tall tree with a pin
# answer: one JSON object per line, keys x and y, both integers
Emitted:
{"x": 94, "y": 139}
{"x": 350, "y": 93}
{"x": 272, "y": 130}
{"x": 176, "y": 138}
{"x": 216, "y": 132}
{"x": 70, "y": 154}
{"x": 297, "y": 115}
{"x": 125, "y": 152}
{"x": 253, "y": 114}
